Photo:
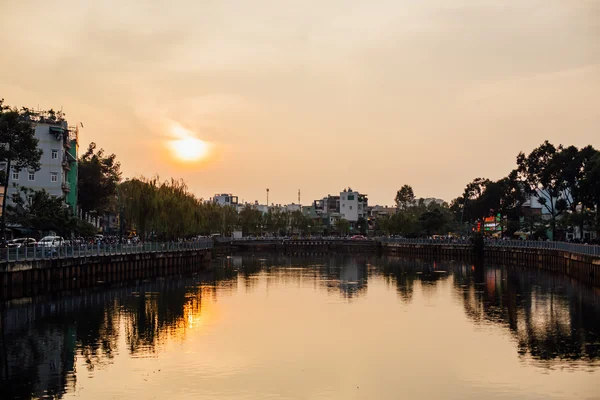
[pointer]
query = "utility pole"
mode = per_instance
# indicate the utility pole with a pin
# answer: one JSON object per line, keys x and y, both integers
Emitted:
{"x": 267, "y": 197}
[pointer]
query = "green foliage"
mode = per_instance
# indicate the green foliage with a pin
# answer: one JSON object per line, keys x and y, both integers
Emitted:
{"x": 342, "y": 226}
{"x": 432, "y": 221}
{"x": 251, "y": 221}
{"x": 417, "y": 219}
{"x": 543, "y": 175}
{"x": 37, "y": 210}
{"x": 85, "y": 229}
{"x": 277, "y": 221}
{"x": 17, "y": 135}
{"x": 164, "y": 209}
{"x": 362, "y": 226}
{"x": 565, "y": 181}
{"x": 405, "y": 197}
{"x": 18, "y": 146}
{"x": 484, "y": 198}
{"x": 98, "y": 177}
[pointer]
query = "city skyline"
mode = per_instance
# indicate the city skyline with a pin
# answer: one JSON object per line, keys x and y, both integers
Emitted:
{"x": 427, "y": 94}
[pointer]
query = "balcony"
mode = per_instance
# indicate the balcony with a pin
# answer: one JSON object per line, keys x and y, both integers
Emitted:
{"x": 66, "y": 187}
{"x": 66, "y": 165}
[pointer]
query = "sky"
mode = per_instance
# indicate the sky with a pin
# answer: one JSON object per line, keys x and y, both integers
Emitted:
{"x": 316, "y": 95}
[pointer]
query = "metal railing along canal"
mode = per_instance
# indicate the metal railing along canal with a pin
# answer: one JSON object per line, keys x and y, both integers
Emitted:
{"x": 25, "y": 253}
{"x": 575, "y": 248}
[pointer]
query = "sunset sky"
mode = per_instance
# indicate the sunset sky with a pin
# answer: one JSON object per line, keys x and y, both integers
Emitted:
{"x": 311, "y": 95}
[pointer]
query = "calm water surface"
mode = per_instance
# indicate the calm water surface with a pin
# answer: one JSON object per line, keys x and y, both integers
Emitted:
{"x": 339, "y": 327}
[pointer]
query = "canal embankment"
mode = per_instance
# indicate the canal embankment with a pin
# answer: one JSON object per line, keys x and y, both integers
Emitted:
{"x": 579, "y": 261}
{"x": 84, "y": 267}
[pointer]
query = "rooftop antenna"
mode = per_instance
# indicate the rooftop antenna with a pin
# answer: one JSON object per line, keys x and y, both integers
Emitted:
{"x": 267, "y": 197}
{"x": 298, "y": 196}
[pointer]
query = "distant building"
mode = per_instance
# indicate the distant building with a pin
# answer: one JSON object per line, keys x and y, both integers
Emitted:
{"x": 327, "y": 204}
{"x": 293, "y": 207}
{"x": 353, "y": 205}
{"x": 262, "y": 208}
{"x": 381, "y": 211}
{"x": 58, "y": 172}
{"x": 331, "y": 204}
{"x": 225, "y": 200}
{"x": 310, "y": 212}
{"x": 429, "y": 200}
{"x": 330, "y": 219}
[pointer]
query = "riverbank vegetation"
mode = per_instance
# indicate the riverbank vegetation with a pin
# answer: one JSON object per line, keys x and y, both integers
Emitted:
{"x": 551, "y": 192}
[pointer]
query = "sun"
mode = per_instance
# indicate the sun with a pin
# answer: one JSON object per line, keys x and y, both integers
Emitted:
{"x": 189, "y": 149}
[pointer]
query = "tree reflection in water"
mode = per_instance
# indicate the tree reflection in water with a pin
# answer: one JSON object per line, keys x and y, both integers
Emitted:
{"x": 552, "y": 318}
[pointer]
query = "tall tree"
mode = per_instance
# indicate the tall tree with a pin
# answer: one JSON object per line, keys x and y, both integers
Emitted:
{"x": 18, "y": 148}
{"x": 405, "y": 197}
{"x": 475, "y": 205}
{"x": 362, "y": 226}
{"x": 97, "y": 182}
{"x": 342, "y": 226}
{"x": 542, "y": 175}
{"x": 433, "y": 221}
{"x": 511, "y": 203}
{"x": 250, "y": 220}
{"x": 137, "y": 198}
{"x": 590, "y": 186}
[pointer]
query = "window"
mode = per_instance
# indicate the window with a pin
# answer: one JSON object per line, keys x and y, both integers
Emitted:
{"x": 54, "y": 154}
{"x": 15, "y": 175}
{"x": 351, "y": 207}
{"x": 53, "y": 176}
{"x": 343, "y": 206}
{"x": 31, "y": 176}
{"x": 350, "y": 197}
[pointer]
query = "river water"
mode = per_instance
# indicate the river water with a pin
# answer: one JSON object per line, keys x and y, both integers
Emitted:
{"x": 328, "y": 327}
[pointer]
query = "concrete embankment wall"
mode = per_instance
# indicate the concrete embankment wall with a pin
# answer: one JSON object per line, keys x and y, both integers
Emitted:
{"x": 36, "y": 277}
{"x": 581, "y": 267}
{"x": 299, "y": 246}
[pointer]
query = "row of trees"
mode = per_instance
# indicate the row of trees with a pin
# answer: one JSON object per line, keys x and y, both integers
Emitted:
{"x": 416, "y": 217}
{"x": 563, "y": 181}
{"x": 552, "y": 189}
{"x": 167, "y": 210}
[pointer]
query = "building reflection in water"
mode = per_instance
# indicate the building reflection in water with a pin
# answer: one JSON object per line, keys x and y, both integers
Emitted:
{"x": 552, "y": 318}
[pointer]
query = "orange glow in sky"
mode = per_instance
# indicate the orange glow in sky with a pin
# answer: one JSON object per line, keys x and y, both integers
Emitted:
{"x": 187, "y": 147}
{"x": 235, "y": 98}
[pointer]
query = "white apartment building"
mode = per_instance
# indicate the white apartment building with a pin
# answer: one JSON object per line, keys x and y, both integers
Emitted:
{"x": 225, "y": 199}
{"x": 353, "y": 205}
{"x": 58, "y": 164}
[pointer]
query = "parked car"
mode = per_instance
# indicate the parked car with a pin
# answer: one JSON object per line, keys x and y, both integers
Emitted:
{"x": 51, "y": 241}
{"x": 22, "y": 242}
{"x": 358, "y": 237}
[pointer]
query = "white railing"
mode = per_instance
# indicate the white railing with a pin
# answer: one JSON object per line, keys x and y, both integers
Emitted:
{"x": 575, "y": 248}
{"x": 24, "y": 253}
